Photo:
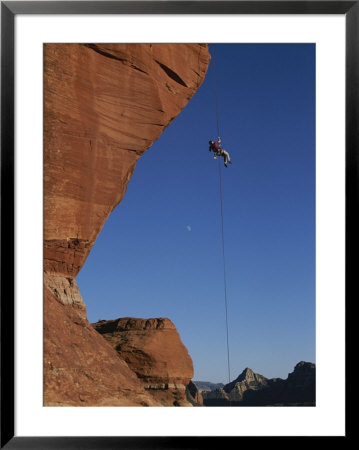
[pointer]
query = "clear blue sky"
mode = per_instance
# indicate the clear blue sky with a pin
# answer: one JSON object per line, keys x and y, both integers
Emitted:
{"x": 160, "y": 255}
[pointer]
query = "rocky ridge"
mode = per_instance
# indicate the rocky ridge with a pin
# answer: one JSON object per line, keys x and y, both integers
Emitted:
{"x": 251, "y": 389}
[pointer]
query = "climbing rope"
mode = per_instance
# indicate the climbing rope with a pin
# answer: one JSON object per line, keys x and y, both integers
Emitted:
{"x": 224, "y": 269}
{"x": 222, "y": 221}
{"x": 215, "y": 90}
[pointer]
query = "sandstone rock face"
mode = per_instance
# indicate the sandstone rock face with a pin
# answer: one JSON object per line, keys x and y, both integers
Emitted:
{"x": 104, "y": 105}
{"x": 79, "y": 368}
{"x": 152, "y": 348}
{"x": 65, "y": 290}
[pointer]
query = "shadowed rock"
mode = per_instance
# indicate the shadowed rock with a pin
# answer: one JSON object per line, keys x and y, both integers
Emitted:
{"x": 194, "y": 395}
{"x": 251, "y": 389}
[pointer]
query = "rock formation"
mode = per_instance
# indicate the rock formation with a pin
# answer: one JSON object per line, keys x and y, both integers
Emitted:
{"x": 152, "y": 348}
{"x": 104, "y": 105}
{"x": 82, "y": 370}
{"x": 193, "y": 394}
{"x": 237, "y": 390}
{"x": 300, "y": 384}
{"x": 251, "y": 389}
{"x": 246, "y": 381}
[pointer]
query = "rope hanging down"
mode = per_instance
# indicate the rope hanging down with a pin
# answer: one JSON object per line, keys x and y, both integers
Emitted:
{"x": 224, "y": 270}
{"x": 222, "y": 222}
{"x": 215, "y": 91}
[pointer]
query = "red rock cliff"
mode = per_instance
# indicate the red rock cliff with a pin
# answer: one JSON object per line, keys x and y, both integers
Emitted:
{"x": 152, "y": 348}
{"x": 104, "y": 105}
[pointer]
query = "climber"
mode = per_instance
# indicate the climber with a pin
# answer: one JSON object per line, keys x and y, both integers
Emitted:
{"x": 212, "y": 149}
{"x": 217, "y": 149}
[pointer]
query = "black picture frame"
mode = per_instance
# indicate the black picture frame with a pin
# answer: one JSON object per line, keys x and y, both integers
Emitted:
{"x": 9, "y": 9}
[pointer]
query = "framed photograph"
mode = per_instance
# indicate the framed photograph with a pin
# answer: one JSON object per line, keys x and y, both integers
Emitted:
{"x": 179, "y": 193}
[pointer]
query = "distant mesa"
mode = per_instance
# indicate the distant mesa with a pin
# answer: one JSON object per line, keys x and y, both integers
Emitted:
{"x": 207, "y": 385}
{"x": 252, "y": 389}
